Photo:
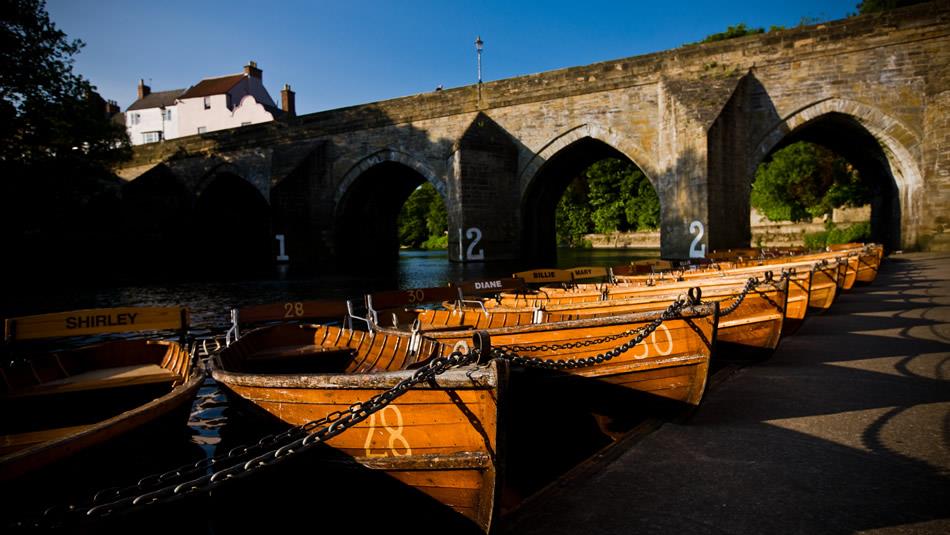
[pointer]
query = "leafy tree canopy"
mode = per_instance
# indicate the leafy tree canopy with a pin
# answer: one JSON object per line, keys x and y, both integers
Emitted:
{"x": 804, "y": 180}
{"x": 423, "y": 220}
{"x": 611, "y": 195}
{"x": 47, "y": 112}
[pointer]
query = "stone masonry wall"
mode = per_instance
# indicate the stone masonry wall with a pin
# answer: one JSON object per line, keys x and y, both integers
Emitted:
{"x": 696, "y": 119}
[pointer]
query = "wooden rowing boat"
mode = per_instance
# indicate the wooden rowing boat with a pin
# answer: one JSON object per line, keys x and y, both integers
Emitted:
{"x": 671, "y": 363}
{"x": 58, "y": 403}
{"x": 440, "y": 438}
{"x": 868, "y": 259}
{"x": 755, "y": 327}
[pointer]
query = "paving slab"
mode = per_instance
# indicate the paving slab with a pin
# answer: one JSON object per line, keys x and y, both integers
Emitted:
{"x": 846, "y": 429}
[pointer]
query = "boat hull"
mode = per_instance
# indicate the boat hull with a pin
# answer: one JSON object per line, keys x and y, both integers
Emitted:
{"x": 439, "y": 438}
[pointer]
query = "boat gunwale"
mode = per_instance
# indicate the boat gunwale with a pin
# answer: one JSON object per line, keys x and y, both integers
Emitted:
{"x": 692, "y": 311}
{"x": 474, "y": 377}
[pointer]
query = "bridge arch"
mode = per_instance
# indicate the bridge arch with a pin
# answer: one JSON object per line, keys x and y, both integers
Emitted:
{"x": 232, "y": 223}
{"x": 882, "y": 149}
{"x": 225, "y": 168}
{"x": 546, "y": 177}
{"x": 157, "y": 210}
{"x": 387, "y": 155}
{"x": 368, "y": 201}
{"x": 630, "y": 149}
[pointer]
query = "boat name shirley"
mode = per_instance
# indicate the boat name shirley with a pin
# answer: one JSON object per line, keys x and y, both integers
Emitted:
{"x": 84, "y": 322}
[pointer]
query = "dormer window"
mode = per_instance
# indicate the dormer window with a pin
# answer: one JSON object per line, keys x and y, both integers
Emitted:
{"x": 207, "y": 103}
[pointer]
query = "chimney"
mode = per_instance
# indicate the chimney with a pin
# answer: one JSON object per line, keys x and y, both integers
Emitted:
{"x": 287, "y": 101}
{"x": 251, "y": 70}
{"x": 112, "y": 108}
{"x": 144, "y": 90}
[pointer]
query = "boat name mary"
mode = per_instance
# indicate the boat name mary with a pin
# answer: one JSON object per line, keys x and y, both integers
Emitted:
{"x": 108, "y": 320}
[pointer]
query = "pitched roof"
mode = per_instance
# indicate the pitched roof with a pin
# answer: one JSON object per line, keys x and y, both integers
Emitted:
{"x": 156, "y": 100}
{"x": 213, "y": 86}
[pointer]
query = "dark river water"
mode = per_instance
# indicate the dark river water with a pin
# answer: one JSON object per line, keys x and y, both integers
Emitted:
{"x": 214, "y": 427}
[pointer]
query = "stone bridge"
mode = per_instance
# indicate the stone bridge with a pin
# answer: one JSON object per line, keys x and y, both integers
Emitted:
{"x": 697, "y": 120}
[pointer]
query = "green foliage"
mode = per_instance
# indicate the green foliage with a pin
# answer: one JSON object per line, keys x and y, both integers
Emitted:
{"x": 612, "y": 195}
{"x": 572, "y": 216}
{"x": 643, "y": 208}
{"x": 436, "y": 242}
{"x": 739, "y": 30}
{"x": 423, "y": 220}
{"x": 48, "y": 114}
{"x": 804, "y": 180}
{"x": 859, "y": 232}
{"x": 876, "y": 6}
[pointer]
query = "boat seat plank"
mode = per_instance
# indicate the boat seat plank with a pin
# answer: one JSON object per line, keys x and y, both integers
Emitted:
{"x": 138, "y": 374}
{"x": 283, "y": 352}
{"x": 306, "y": 358}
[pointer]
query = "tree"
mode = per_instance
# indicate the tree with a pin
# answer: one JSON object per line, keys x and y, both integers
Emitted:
{"x": 804, "y": 180}
{"x": 611, "y": 195}
{"x": 423, "y": 220}
{"x": 48, "y": 114}
{"x": 58, "y": 196}
{"x": 572, "y": 216}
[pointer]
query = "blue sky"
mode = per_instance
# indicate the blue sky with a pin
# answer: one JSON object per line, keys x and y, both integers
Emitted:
{"x": 346, "y": 52}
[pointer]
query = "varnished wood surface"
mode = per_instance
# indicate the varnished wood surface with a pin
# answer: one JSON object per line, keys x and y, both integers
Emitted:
{"x": 57, "y": 404}
{"x": 420, "y": 439}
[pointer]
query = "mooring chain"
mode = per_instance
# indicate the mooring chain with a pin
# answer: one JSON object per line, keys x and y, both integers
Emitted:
{"x": 510, "y": 353}
{"x": 786, "y": 275}
{"x": 202, "y": 476}
{"x": 749, "y": 286}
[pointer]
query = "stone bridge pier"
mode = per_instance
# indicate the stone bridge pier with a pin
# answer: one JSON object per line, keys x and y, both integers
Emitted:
{"x": 697, "y": 121}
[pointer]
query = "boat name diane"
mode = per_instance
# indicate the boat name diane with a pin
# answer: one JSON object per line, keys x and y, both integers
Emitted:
{"x": 489, "y": 285}
{"x": 85, "y": 322}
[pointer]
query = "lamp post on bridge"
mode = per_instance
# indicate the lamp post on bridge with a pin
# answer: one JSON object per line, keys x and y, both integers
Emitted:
{"x": 478, "y": 52}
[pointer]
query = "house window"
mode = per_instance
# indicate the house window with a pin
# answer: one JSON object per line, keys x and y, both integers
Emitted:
{"x": 207, "y": 103}
{"x": 151, "y": 137}
{"x": 202, "y": 129}
{"x": 167, "y": 114}
{"x": 136, "y": 118}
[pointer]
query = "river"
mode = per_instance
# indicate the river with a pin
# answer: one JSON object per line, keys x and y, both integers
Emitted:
{"x": 212, "y": 421}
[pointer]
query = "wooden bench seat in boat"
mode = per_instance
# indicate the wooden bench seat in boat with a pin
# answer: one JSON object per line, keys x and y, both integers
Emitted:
{"x": 300, "y": 358}
{"x": 120, "y": 376}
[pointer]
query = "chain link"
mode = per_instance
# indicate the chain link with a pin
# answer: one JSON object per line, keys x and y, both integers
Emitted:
{"x": 510, "y": 353}
{"x": 207, "y": 474}
{"x": 750, "y": 285}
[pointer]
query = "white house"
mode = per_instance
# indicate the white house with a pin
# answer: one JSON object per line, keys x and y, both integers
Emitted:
{"x": 154, "y": 116}
{"x": 212, "y": 104}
